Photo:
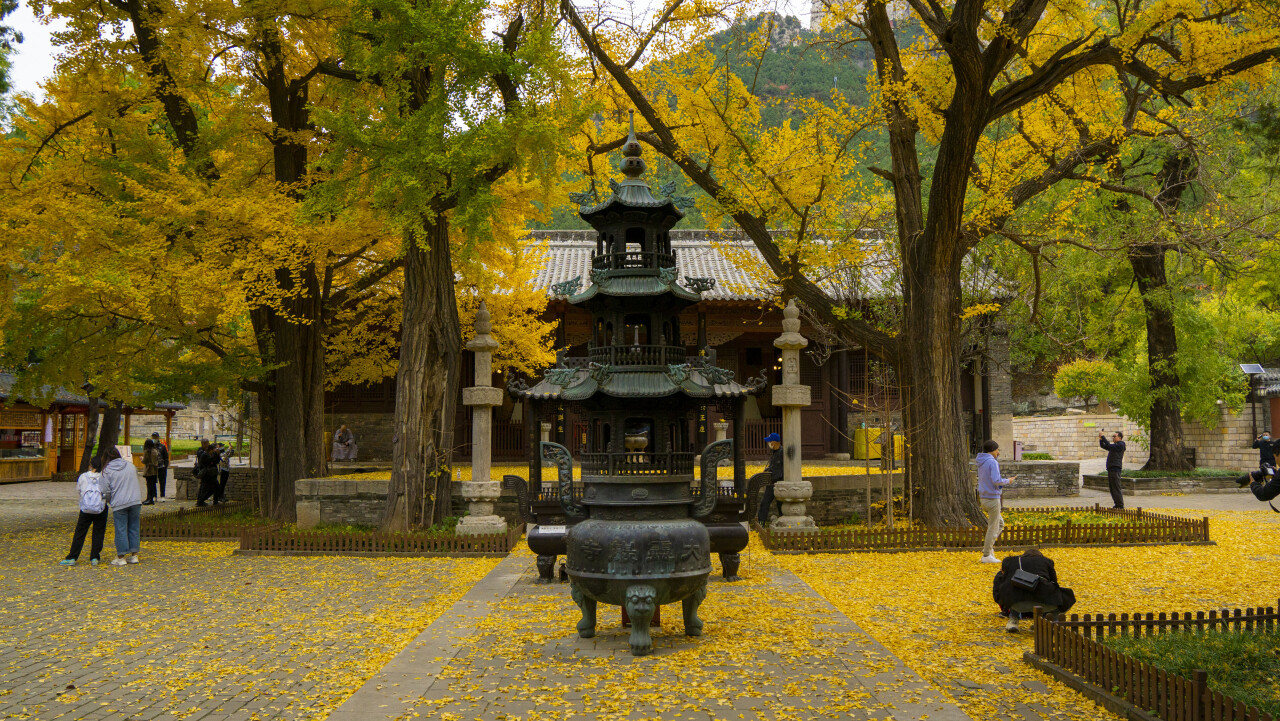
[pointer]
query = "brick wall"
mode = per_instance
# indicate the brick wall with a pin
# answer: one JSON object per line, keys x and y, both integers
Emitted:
{"x": 1038, "y": 479}
{"x": 1075, "y": 437}
{"x": 373, "y": 432}
{"x": 244, "y": 484}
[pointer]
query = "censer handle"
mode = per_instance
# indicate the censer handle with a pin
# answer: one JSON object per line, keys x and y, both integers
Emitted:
{"x": 559, "y": 455}
{"x": 711, "y": 457}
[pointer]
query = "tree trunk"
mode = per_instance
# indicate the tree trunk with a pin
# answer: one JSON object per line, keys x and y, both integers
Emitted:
{"x": 109, "y": 431}
{"x": 427, "y": 382}
{"x": 1167, "y": 449}
{"x": 90, "y": 434}
{"x": 930, "y": 361}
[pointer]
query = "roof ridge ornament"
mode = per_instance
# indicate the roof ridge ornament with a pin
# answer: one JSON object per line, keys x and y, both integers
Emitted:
{"x": 633, "y": 165}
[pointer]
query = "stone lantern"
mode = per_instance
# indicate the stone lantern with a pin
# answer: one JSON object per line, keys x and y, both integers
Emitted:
{"x": 481, "y": 491}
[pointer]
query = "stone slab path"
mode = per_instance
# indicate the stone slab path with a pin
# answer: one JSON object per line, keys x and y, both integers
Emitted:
{"x": 772, "y": 649}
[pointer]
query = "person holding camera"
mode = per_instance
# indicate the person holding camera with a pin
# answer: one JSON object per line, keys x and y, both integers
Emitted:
{"x": 1264, "y": 482}
{"x": 1115, "y": 461}
{"x": 1026, "y": 581}
{"x": 990, "y": 489}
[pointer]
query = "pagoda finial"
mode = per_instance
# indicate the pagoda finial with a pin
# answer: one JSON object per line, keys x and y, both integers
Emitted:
{"x": 633, "y": 165}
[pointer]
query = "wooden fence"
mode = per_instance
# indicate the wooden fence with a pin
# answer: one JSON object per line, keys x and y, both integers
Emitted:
{"x": 1141, "y": 527}
{"x": 203, "y": 524}
{"x": 1071, "y": 644}
{"x": 320, "y": 543}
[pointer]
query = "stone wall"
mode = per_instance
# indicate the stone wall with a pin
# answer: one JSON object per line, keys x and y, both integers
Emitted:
{"x": 373, "y": 432}
{"x": 1156, "y": 486}
{"x": 1075, "y": 437}
{"x": 1038, "y": 479}
{"x": 837, "y": 498}
{"x": 334, "y": 501}
{"x": 243, "y": 484}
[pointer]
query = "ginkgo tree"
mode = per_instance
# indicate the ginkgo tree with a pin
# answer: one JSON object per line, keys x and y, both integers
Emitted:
{"x": 202, "y": 144}
{"x": 445, "y": 102}
{"x": 993, "y": 104}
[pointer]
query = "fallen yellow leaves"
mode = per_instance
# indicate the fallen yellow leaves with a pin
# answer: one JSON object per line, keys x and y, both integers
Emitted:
{"x": 193, "y": 628}
{"x": 934, "y": 610}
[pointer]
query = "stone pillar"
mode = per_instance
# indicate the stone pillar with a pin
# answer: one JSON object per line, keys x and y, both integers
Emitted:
{"x": 722, "y": 430}
{"x": 546, "y": 432}
{"x": 481, "y": 491}
{"x": 792, "y": 491}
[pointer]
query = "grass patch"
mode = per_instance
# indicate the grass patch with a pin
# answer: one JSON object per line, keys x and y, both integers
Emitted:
{"x": 242, "y": 518}
{"x": 1242, "y": 665}
{"x": 447, "y": 527}
{"x": 1037, "y": 456}
{"x": 1193, "y": 473}
{"x": 1014, "y": 517}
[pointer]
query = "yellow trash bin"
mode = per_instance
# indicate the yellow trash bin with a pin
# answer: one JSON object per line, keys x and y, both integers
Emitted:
{"x": 865, "y": 443}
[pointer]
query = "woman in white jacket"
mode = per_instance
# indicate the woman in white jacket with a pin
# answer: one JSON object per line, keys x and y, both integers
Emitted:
{"x": 120, "y": 488}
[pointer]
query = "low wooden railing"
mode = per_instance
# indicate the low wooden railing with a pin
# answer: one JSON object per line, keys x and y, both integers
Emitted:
{"x": 1143, "y": 528}
{"x": 188, "y": 524}
{"x": 275, "y": 541}
{"x": 1070, "y": 645}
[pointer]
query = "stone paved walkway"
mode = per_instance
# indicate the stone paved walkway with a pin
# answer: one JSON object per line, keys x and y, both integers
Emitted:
{"x": 772, "y": 649}
{"x": 196, "y": 633}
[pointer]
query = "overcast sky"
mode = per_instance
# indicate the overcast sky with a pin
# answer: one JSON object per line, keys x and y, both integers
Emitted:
{"x": 34, "y": 60}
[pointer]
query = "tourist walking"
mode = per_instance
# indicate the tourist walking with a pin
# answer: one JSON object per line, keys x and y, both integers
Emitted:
{"x": 224, "y": 471}
{"x": 774, "y": 469}
{"x": 344, "y": 444}
{"x": 150, "y": 465}
{"x": 990, "y": 489}
{"x": 93, "y": 514}
{"x": 119, "y": 485}
{"x": 1026, "y": 581}
{"x": 1115, "y": 462}
{"x": 162, "y": 467}
{"x": 207, "y": 460}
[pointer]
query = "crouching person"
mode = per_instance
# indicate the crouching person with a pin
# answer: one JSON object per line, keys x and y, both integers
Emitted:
{"x": 1026, "y": 581}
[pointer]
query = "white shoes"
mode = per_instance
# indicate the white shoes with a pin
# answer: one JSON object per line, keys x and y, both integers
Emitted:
{"x": 990, "y": 559}
{"x": 134, "y": 559}
{"x": 1012, "y": 625}
{"x": 119, "y": 562}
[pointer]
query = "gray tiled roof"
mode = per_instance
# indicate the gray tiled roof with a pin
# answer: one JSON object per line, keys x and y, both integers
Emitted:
{"x": 1268, "y": 383}
{"x": 62, "y": 396}
{"x": 698, "y": 255}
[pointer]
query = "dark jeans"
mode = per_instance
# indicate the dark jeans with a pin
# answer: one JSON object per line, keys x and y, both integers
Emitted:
{"x": 1113, "y": 481}
{"x": 151, "y": 488}
{"x": 766, "y": 505}
{"x": 222, "y": 486}
{"x": 208, "y": 486}
{"x": 99, "y": 523}
{"x": 164, "y": 476}
{"x": 1265, "y": 491}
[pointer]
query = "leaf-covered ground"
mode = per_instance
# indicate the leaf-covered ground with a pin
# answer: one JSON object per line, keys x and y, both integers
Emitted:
{"x": 463, "y": 473}
{"x": 194, "y": 629}
{"x": 935, "y": 612}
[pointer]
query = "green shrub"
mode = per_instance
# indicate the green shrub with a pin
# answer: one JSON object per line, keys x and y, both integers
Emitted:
{"x": 1037, "y": 456}
{"x": 1085, "y": 379}
{"x": 1240, "y": 664}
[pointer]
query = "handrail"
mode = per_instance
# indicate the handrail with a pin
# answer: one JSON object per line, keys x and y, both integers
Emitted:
{"x": 638, "y": 355}
{"x": 633, "y": 259}
{"x": 637, "y": 464}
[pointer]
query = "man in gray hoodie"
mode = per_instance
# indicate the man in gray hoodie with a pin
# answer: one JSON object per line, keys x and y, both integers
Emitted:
{"x": 119, "y": 485}
{"x": 990, "y": 488}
